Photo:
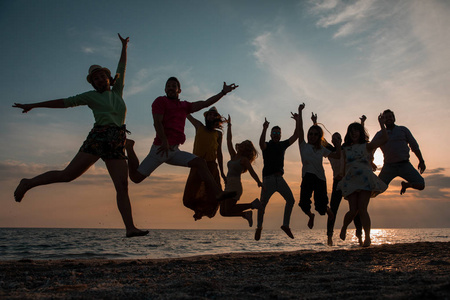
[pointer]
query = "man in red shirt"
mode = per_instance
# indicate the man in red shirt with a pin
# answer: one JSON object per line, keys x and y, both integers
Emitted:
{"x": 169, "y": 115}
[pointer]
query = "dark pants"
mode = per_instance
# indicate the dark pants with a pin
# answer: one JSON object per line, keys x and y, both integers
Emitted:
{"x": 311, "y": 183}
{"x": 336, "y": 197}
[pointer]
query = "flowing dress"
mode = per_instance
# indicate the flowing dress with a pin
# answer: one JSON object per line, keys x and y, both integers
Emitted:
{"x": 358, "y": 172}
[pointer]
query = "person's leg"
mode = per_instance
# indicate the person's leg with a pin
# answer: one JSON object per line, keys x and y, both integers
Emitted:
{"x": 203, "y": 172}
{"x": 191, "y": 189}
{"x": 358, "y": 226}
{"x": 118, "y": 170}
{"x": 336, "y": 197}
{"x": 79, "y": 164}
{"x": 133, "y": 163}
{"x": 230, "y": 208}
{"x": 321, "y": 198}
{"x": 412, "y": 176}
{"x": 363, "y": 203}
{"x": 270, "y": 187}
{"x": 387, "y": 173}
{"x": 353, "y": 210}
{"x": 285, "y": 191}
{"x": 306, "y": 190}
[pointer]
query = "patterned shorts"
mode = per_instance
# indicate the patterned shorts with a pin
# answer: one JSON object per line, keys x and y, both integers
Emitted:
{"x": 107, "y": 142}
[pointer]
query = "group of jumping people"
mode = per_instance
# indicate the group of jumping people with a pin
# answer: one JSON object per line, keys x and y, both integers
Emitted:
{"x": 352, "y": 161}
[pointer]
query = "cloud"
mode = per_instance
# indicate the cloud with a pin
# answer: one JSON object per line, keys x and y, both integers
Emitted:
{"x": 12, "y": 170}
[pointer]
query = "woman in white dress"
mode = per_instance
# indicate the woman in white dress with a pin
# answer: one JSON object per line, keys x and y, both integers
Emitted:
{"x": 360, "y": 183}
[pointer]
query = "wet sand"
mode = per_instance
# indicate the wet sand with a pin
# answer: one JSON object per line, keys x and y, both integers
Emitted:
{"x": 400, "y": 271}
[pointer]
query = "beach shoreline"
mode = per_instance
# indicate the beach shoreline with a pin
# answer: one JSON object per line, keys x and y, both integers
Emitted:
{"x": 414, "y": 271}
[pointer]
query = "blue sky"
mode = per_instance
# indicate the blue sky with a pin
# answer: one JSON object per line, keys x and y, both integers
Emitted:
{"x": 342, "y": 58}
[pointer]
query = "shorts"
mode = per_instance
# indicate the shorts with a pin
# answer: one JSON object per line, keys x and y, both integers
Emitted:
{"x": 107, "y": 142}
{"x": 153, "y": 160}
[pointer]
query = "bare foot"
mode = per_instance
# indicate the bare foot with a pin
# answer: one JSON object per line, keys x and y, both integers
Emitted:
{"x": 248, "y": 215}
{"x": 287, "y": 230}
{"x": 21, "y": 189}
{"x": 258, "y": 233}
{"x": 330, "y": 241}
{"x": 343, "y": 234}
{"x": 311, "y": 221}
{"x": 360, "y": 241}
{"x": 137, "y": 232}
{"x": 405, "y": 185}
{"x": 367, "y": 242}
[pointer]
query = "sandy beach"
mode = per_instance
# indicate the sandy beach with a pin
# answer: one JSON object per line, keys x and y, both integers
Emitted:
{"x": 400, "y": 271}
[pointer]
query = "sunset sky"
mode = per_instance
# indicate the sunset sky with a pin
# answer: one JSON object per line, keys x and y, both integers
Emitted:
{"x": 342, "y": 59}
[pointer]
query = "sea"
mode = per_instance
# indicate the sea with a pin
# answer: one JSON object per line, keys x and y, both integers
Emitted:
{"x": 72, "y": 243}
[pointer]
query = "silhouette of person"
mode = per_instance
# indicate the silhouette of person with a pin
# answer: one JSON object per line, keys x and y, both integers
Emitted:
{"x": 106, "y": 140}
{"x": 338, "y": 168}
{"x": 207, "y": 145}
{"x": 396, "y": 155}
{"x": 169, "y": 115}
{"x": 240, "y": 161}
{"x": 360, "y": 183}
{"x": 313, "y": 174}
{"x": 273, "y": 170}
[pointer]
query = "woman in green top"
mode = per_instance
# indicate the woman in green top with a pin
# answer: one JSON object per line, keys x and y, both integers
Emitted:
{"x": 106, "y": 140}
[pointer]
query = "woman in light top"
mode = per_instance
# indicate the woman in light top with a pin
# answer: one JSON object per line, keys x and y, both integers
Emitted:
{"x": 106, "y": 140}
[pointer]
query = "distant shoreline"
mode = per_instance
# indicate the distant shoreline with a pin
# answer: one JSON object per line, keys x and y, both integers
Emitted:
{"x": 416, "y": 270}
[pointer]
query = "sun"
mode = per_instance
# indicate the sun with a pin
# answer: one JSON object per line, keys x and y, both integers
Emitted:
{"x": 378, "y": 158}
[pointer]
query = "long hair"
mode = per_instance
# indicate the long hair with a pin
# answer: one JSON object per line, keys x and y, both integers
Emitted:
{"x": 215, "y": 124}
{"x": 363, "y": 135}
{"x": 248, "y": 151}
{"x": 319, "y": 129}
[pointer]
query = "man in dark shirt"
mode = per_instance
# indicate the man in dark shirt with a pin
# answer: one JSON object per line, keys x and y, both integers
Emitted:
{"x": 273, "y": 181}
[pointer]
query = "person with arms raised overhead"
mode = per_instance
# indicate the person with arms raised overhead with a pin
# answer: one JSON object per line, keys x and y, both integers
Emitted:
{"x": 273, "y": 155}
{"x": 106, "y": 140}
{"x": 313, "y": 174}
{"x": 396, "y": 155}
{"x": 207, "y": 145}
{"x": 169, "y": 116}
{"x": 241, "y": 160}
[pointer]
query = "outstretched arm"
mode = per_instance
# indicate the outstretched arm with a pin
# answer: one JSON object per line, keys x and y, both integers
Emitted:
{"x": 294, "y": 136}
{"x": 363, "y": 119}
{"x": 314, "y": 118}
{"x": 231, "y": 150}
{"x": 58, "y": 103}
{"x": 301, "y": 134}
{"x": 220, "y": 157}
{"x": 245, "y": 162}
{"x": 194, "y": 121}
{"x": 375, "y": 143}
{"x": 123, "y": 55}
{"x": 262, "y": 138}
{"x": 198, "y": 105}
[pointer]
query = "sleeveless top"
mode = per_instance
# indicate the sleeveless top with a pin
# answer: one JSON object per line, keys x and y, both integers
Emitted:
{"x": 205, "y": 143}
{"x": 234, "y": 168}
